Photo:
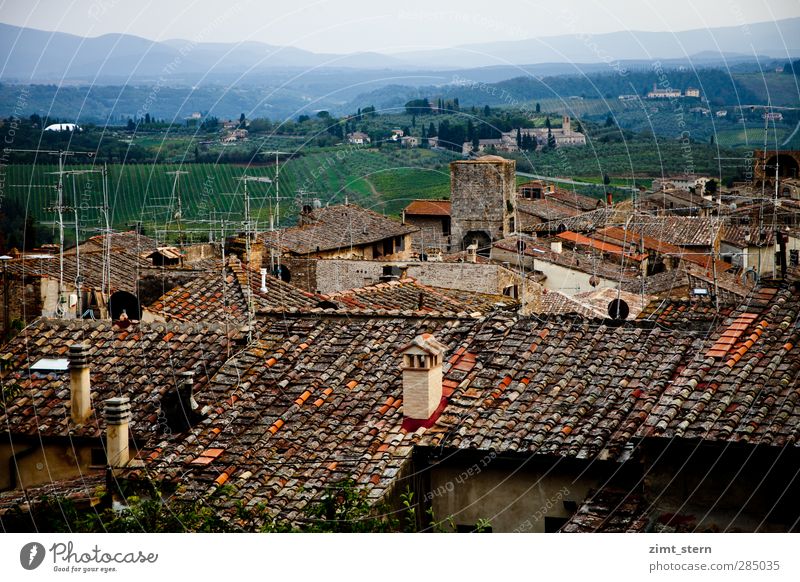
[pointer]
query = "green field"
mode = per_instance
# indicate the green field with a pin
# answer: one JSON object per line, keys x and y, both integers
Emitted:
{"x": 379, "y": 179}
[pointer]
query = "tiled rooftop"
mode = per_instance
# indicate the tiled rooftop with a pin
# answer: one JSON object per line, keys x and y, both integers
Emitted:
{"x": 591, "y": 264}
{"x": 544, "y": 210}
{"x": 220, "y": 295}
{"x": 683, "y": 231}
{"x": 609, "y": 510}
{"x": 627, "y": 238}
{"x": 311, "y": 402}
{"x": 429, "y": 208}
{"x": 741, "y": 386}
{"x": 556, "y": 387}
{"x": 336, "y": 227}
{"x": 140, "y": 361}
{"x": 410, "y": 295}
{"x": 126, "y": 264}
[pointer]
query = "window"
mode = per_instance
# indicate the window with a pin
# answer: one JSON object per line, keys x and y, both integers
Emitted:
{"x": 98, "y": 458}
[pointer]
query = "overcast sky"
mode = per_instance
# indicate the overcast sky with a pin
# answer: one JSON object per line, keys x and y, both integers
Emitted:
{"x": 379, "y": 25}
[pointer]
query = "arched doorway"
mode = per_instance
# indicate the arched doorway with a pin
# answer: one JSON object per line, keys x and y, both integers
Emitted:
{"x": 124, "y": 301}
{"x": 480, "y": 238}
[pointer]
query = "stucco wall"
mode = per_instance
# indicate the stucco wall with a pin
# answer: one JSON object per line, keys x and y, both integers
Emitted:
{"x": 43, "y": 464}
{"x": 509, "y": 498}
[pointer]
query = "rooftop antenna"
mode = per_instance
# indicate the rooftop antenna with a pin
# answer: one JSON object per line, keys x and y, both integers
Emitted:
{"x": 247, "y": 235}
{"x": 176, "y": 195}
{"x": 277, "y": 184}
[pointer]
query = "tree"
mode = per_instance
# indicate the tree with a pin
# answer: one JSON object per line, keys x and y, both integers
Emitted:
{"x": 241, "y": 120}
{"x": 303, "y": 118}
{"x": 606, "y": 179}
{"x": 476, "y": 143}
{"x": 547, "y": 123}
{"x": 538, "y": 108}
{"x": 17, "y": 227}
{"x": 486, "y": 111}
{"x": 711, "y": 187}
{"x": 147, "y": 119}
{"x": 36, "y": 120}
{"x": 610, "y": 121}
{"x": 519, "y": 138}
{"x": 431, "y": 130}
{"x": 418, "y": 107}
{"x": 551, "y": 139}
{"x": 131, "y": 126}
{"x": 323, "y": 114}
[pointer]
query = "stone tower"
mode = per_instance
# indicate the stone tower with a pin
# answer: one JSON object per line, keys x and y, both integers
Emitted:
{"x": 483, "y": 197}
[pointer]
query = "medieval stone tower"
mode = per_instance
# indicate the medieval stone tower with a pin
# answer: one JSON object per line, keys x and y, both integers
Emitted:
{"x": 483, "y": 196}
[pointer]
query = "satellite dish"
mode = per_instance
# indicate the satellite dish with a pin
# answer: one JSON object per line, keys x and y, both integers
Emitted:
{"x": 618, "y": 310}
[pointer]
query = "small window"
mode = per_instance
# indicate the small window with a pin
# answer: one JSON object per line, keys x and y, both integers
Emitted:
{"x": 98, "y": 458}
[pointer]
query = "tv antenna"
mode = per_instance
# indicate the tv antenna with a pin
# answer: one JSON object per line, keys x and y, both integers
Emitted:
{"x": 248, "y": 232}
{"x": 277, "y": 183}
{"x": 176, "y": 196}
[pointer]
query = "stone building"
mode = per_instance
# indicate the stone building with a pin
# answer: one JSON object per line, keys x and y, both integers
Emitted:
{"x": 483, "y": 198}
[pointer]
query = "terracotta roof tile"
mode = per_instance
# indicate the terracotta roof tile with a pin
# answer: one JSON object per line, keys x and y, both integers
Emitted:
{"x": 336, "y": 227}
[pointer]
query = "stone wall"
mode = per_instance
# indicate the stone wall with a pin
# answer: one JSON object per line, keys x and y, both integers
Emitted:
{"x": 330, "y": 276}
{"x": 431, "y": 234}
{"x": 483, "y": 196}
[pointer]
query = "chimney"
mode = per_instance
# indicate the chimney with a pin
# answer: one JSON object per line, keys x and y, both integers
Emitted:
{"x": 263, "y": 280}
{"x": 118, "y": 416}
{"x": 422, "y": 377}
{"x": 555, "y": 246}
{"x": 472, "y": 253}
{"x": 178, "y": 404}
{"x": 79, "y": 383}
{"x": 609, "y": 199}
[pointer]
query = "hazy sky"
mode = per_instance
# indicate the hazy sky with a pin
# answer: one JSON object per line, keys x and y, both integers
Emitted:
{"x": 381, "y": 25}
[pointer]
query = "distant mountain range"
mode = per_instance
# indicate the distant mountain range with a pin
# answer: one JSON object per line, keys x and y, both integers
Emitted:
{"x": 40, "y": 56}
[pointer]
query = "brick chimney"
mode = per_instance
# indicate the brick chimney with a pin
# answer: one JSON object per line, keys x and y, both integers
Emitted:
{"x": 118, "y": 417}
{"x": 422, "y": 378}
{"x": 80, "y": 393}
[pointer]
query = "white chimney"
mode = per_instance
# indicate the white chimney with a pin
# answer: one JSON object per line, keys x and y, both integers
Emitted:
{"x": 263, "y": 280}
{"x": 422, "y": 376}
{"x": 555, "y": 246}
{"x": 118, "y": 417}
{"x": 80, "y": 394}
{"x": 472, "y": 253}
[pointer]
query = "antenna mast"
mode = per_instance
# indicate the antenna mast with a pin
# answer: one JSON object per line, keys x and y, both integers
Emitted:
{"x": 176, "y": 195}
{"x": 247, "y": 235}
{"x": 277, "y": 185}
